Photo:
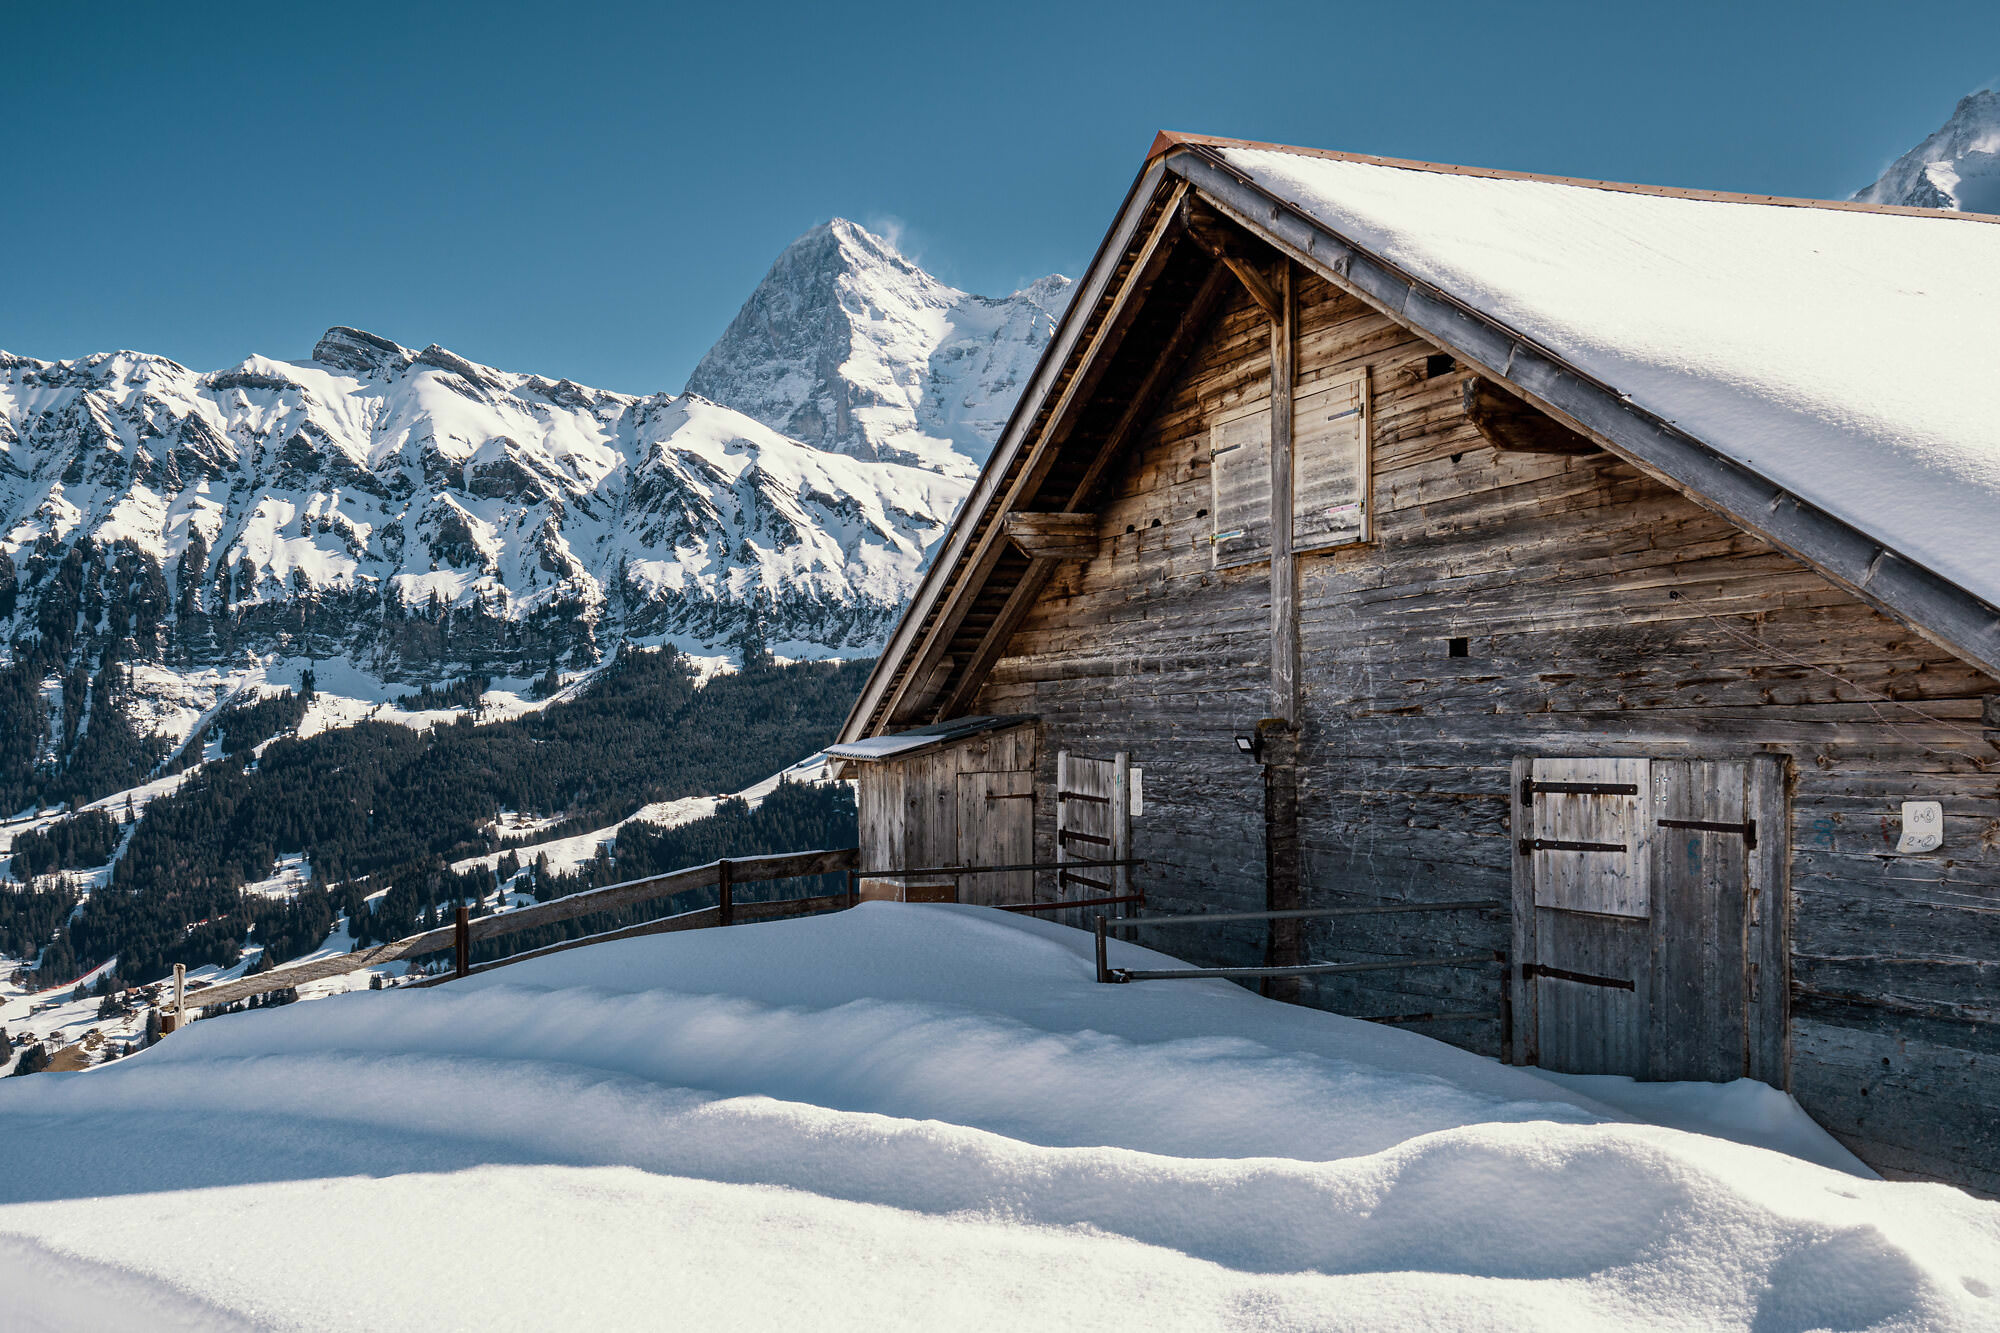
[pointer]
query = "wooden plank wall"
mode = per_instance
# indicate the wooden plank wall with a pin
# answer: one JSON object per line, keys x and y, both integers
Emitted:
{"x": 1603, "y": 614}
{"x": 910, "y": 813}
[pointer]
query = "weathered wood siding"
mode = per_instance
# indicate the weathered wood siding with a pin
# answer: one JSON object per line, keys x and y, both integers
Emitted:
{"x": 913, "y": 812}
{"x": 1604, "y": 614}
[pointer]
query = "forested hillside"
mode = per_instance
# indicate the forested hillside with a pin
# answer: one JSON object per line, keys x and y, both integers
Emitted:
{"x": 379, "y": 805}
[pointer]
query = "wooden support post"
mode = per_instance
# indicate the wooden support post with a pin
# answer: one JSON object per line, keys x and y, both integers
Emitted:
{"x": 1284, "y": 569}
{"x": 725, "y": 895}
{"x": 1103, "y": 968}
{"x": 1279, "y": 734}
{"x": 461, "y": 941}
{"x": 853, "y": 886}
{"x": 1283, "y": 892}
{"x": 174, "y": 1018}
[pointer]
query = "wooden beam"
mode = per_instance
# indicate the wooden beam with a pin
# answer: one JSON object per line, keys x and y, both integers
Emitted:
{"x": 1506, "y": 422}
{"x": 1193, "y": 322}
{"x": 1068, "y": 536}
{"x": 1225, "y": 246}
{"x": 1284, "y": 568}
{"x": 1253, "y": 282}
{"x": 994, "y": 641}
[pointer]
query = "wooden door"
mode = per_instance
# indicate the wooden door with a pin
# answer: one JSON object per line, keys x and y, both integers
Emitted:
{"x": 1093, "y": 823}
{"x": 996, "y": 827}
{"x": 1719, "y": 974}
{"x": 1582, "y": 827}
{"x": 1649, "y": 936}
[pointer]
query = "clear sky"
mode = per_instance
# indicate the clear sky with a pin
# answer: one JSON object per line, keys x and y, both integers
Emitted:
{"x": 592, "y": 190}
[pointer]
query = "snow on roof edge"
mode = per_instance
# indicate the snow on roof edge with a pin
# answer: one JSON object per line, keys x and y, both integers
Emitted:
{"x": 1832, "y": 353}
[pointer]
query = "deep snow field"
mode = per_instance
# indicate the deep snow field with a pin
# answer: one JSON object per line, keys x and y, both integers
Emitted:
{"x": 906, "y": 1116}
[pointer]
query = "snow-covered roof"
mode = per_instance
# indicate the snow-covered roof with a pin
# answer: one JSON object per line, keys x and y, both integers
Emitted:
{"x": 1850, "y": 355}
{"x": 1821, "y": 372}
{"x": 909, "y": 742}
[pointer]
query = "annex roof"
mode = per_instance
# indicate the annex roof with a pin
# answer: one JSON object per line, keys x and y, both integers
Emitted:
{"x": 905, "y": 743}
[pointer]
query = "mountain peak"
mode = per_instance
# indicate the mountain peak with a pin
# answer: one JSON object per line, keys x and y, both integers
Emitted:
{"x": 848, "y": 345}
{"x": 1958, "y": 167}
{"x": 359, "y": 351}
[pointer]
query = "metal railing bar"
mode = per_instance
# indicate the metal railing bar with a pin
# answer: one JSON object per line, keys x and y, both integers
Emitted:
{"x": 1299, "y": 970}
{"x": 991, "y": 870}
{"x": 1299, "y": 912}
{"x": 1081, "y": 902}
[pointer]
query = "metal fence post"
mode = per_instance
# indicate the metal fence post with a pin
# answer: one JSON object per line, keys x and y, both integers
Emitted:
{"x": 461, "y": 929}
{"x": 725, "y": 898}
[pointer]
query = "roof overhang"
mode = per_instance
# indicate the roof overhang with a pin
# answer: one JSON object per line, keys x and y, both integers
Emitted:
{"x": 1946, "y": 614}
{"x": 922, "y": 740}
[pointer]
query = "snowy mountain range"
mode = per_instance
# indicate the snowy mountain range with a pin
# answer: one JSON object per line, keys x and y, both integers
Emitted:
{"x": 1958, "y": 167}
{"x": 422, "y": 514}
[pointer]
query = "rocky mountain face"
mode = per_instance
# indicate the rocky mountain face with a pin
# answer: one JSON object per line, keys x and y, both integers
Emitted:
{"x": 1958, "y": 167}
{"x": 420, "y": 514}
{"x": 849, "y": 346}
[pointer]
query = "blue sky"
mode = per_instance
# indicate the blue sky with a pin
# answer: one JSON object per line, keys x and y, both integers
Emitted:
{"x": 591, "y": 191}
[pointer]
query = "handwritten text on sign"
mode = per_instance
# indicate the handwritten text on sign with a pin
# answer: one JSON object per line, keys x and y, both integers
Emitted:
{"x": 1923, "y": 827}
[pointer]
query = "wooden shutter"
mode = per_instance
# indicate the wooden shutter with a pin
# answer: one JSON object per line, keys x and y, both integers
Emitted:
{"x": 1330, "y": 472}
{"x": 1590, "y": 835}
{"x": 1239, "y": 451}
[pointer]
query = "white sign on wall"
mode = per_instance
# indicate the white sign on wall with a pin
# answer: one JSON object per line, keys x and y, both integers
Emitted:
{"x": 1923, "y": 827}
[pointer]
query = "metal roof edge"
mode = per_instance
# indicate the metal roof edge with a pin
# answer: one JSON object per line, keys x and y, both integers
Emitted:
{"x": 1169, "y": 140}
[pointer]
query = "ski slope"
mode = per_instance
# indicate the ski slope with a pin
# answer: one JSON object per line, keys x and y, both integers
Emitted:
{"x": 918, "y": 1117}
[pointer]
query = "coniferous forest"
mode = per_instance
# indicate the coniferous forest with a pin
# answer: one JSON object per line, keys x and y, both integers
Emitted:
{"x": 379, "y": 805}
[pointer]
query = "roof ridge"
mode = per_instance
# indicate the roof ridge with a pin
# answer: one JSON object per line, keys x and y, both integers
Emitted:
{"x": 1167, "y": 140}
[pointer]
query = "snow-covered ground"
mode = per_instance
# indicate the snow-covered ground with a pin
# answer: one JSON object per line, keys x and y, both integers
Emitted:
{"x": 908, "y": 1116}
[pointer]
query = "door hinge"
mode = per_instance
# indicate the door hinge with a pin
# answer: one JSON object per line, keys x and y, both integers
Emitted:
{"x": 1529, "y": 971}
{"x": 1529, "y": 787}
{"x": 1747, "y": 829}
{"x": 1557, "y": 845}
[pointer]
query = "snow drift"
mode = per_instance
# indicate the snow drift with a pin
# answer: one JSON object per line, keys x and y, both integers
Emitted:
{"x": 905, "y": 1116}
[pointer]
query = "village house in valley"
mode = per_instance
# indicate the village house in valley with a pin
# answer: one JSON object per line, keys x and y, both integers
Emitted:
{"x": 1618, "y": 563}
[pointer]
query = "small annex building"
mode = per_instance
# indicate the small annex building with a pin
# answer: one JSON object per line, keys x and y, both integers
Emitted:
{"x": 1622, "y": 560}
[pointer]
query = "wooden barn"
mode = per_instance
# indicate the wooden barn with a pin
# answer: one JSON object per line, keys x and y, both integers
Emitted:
{"x": 1617, "y": 563}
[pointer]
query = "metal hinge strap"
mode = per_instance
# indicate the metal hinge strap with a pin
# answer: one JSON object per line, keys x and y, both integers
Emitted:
{"x": 1557, "y": 845}
{"x": 1747, "y": 830}
{"x": 1529, "y": 787}
{"x": 1529, "y": 971}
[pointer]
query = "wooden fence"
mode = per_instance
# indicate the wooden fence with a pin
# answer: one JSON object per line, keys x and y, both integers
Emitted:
{"x": 723, "y": 876}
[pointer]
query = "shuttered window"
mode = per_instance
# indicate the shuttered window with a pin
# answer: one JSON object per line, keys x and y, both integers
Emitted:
{"x": 1239, "y": 451}
{"x": 1330, "y": 472}
{"x": 1330, "y": 468}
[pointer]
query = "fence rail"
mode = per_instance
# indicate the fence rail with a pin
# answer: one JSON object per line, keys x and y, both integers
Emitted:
{"x": 462, "y": 934}
{"x": 1109, "y": 975}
